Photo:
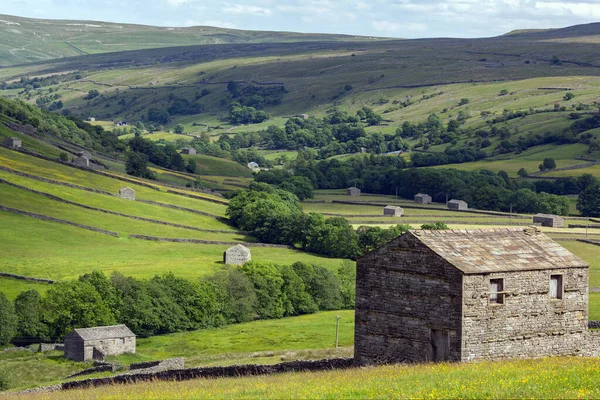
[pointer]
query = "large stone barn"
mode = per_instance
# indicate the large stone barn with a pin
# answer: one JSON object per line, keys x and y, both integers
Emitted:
{"x": 353, "y": 191}
{"x": 237, "y": 255}
{"x": 13, "y": 142}
{"x": 188, "y": 150}
{"x": 549, "y": 220}
{"x": 422, "y": 198}
{"x": 470, "y": 295}
{"x": 96, "y": 343}
{"x": 457, "y": 205}
{"x": 393, "y": 211}
{"x": 82, "y": 162}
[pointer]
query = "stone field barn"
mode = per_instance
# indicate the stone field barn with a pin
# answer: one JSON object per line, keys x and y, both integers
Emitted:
{"x": 457, "y": 205}
{"x": 470, "y": 295}
{"x": 96, "y": 343}
{"x": 353, "y": 191}
{"x": 393, "y": 211}
{"x": 237, "y": 255}
{"x": 422, "y": 198}
{"x": 127, "y": 193}
{"x": 549, "y": 220}
{"x": 13, "y": 142}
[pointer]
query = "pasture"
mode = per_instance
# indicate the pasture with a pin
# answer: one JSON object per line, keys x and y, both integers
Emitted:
{"x": 563, "y": 377}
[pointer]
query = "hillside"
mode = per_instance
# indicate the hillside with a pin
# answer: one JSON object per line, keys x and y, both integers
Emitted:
{"x": 27, "y": 40}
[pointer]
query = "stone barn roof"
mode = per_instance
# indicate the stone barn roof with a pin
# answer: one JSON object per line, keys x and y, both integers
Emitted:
{"x": 240, "y": 249}
{"x": 104, "y": 332}
{"x": 483, "y": 251}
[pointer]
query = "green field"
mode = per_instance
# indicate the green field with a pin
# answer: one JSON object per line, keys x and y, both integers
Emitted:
{"x": 48, "y": 250}
{"x": 269, "y": 341}
{"x": 208, "y": 165}
{"x": 574, "y": 377}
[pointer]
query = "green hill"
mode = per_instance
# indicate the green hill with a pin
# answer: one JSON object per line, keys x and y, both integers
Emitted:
{"x": 69, "y": 38}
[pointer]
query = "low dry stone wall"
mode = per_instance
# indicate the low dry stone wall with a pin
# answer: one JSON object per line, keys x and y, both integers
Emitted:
{"x": 214, "y": 372}
{"x": 197, "y": 197}
{"x": 157, "y": 366}
{"x": 46, "y": 180}
{"x": 26, "y": 278}
{"x": 104, "y": 367}
{"x": 593, "y": 226}
{"x": 201, "y": 241}
{"x": 51, "y": 347}
{"x": 590, "y": 241}
{"x": 156, "y": 203}
{"x": 60, "y": 221}
{"x": 594, "y": 324}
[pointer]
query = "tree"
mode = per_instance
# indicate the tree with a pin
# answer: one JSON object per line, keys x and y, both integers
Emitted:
{"x": 158, "y": 116}
{"x": 235, "y": 294}
{"x": 191, "y": 166}
{"x": 588, "y": 202}
{"x": 137, "y": 165}
{"x": 568, "y": 96}
{"x": 28, "y": 308}
{"x": 435, "y": 226}
{"x": 8, "y": 320}
{"x": 64, "y": 157}
{"x": 178, "y": 129}
{"x": 267, "y": 281}
{"x": 92, "y": 94}
{"x": 549, "y": 164}
{"x": 522, "y": 172}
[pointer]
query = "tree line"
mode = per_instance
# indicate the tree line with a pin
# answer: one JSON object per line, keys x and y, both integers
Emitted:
{"x": 165, "y": 304}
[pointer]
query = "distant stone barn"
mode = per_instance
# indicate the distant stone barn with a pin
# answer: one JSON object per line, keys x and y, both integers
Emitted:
{"x": 458, "y": 205}
{"x": 393, "y": 211}
{"x": 237, "y": 255}
{"x": 13, "y": 142}
{"x": 353, "y": 191}
{"x": 470, "y": 295}
{"x": 82, "y": 162}
{"x": 96, "y": 343}
{"x": 188, "y": 150}
{"x": 422, "y": 198}
{"x": 85, "y": 153}
{"x": 127, "y": 193}
{"x": 549, "y": 220}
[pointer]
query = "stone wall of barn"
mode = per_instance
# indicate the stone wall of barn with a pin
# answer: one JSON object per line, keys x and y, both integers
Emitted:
{"x": 404, "y": 293}
{"x": 529, "y": 323}
{"x": 110, "y": 347}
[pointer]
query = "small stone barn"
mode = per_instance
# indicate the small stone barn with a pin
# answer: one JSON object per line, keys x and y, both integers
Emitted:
{"x": 457, "y": 205}
{"x": 82, "y": 162}
{"x": 393, "y": 211}
{"x": 95, "y": 343}
{"x": 470, "y": 295}
{"x": 353, "y": 191}
{"x": 549, "y": 220}
{"x": 127, "y": 193}
{"x": 188, "y": 150}
{"x": 13, "y": 142}
{"x": 85, "y": 154}
{"x": 237, "y": 255}
{"x": 422, "y": 198}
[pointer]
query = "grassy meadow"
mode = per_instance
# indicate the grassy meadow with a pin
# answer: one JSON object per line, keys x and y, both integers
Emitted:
{"x": 541, "y": 378}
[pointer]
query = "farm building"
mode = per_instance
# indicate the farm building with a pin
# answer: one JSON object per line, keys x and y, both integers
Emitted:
{"x": 303, "y": 116}
{"x": 393, "y": 211}
{"x": 82, "y": 162}
{"x": 253, "y": 166}
{"x": 188, "y": 150}
{"x": 127, "y": 193}
{"x": 96, "y": 343}
{"x": 470, "y": 295}
{"x": 85, "y": 154}
{"x": 13, "y": 142}
{"x": 91, "y": 119}
{"x": 457, "y": 205}
{"x": 549, "y": 220}
{"x": 353, "y": 191}
{"x": 237, "y": 255}
{"x": 422, "y": 198}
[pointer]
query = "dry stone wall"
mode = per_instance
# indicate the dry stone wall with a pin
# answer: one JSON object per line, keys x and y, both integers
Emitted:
{"x": 25, "y": 278}
{"x": 60, "y": 221}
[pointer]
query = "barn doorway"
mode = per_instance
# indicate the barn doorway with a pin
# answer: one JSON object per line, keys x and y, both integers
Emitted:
{"x": 440, "y": 345}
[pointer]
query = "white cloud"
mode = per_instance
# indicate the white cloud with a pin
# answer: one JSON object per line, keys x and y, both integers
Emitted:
{"x": 398, "y": 27}
{"x": 562, "y": 8}
{"x": 247, "y": 9}
{"x": 176, "y": 3}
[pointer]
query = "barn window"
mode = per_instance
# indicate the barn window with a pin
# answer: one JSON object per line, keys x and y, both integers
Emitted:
{"x": 556, "y": 287}
{"x": 496, "y": 291}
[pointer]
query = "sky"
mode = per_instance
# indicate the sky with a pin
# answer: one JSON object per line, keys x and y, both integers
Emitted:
{"x": 390, "y": 18}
